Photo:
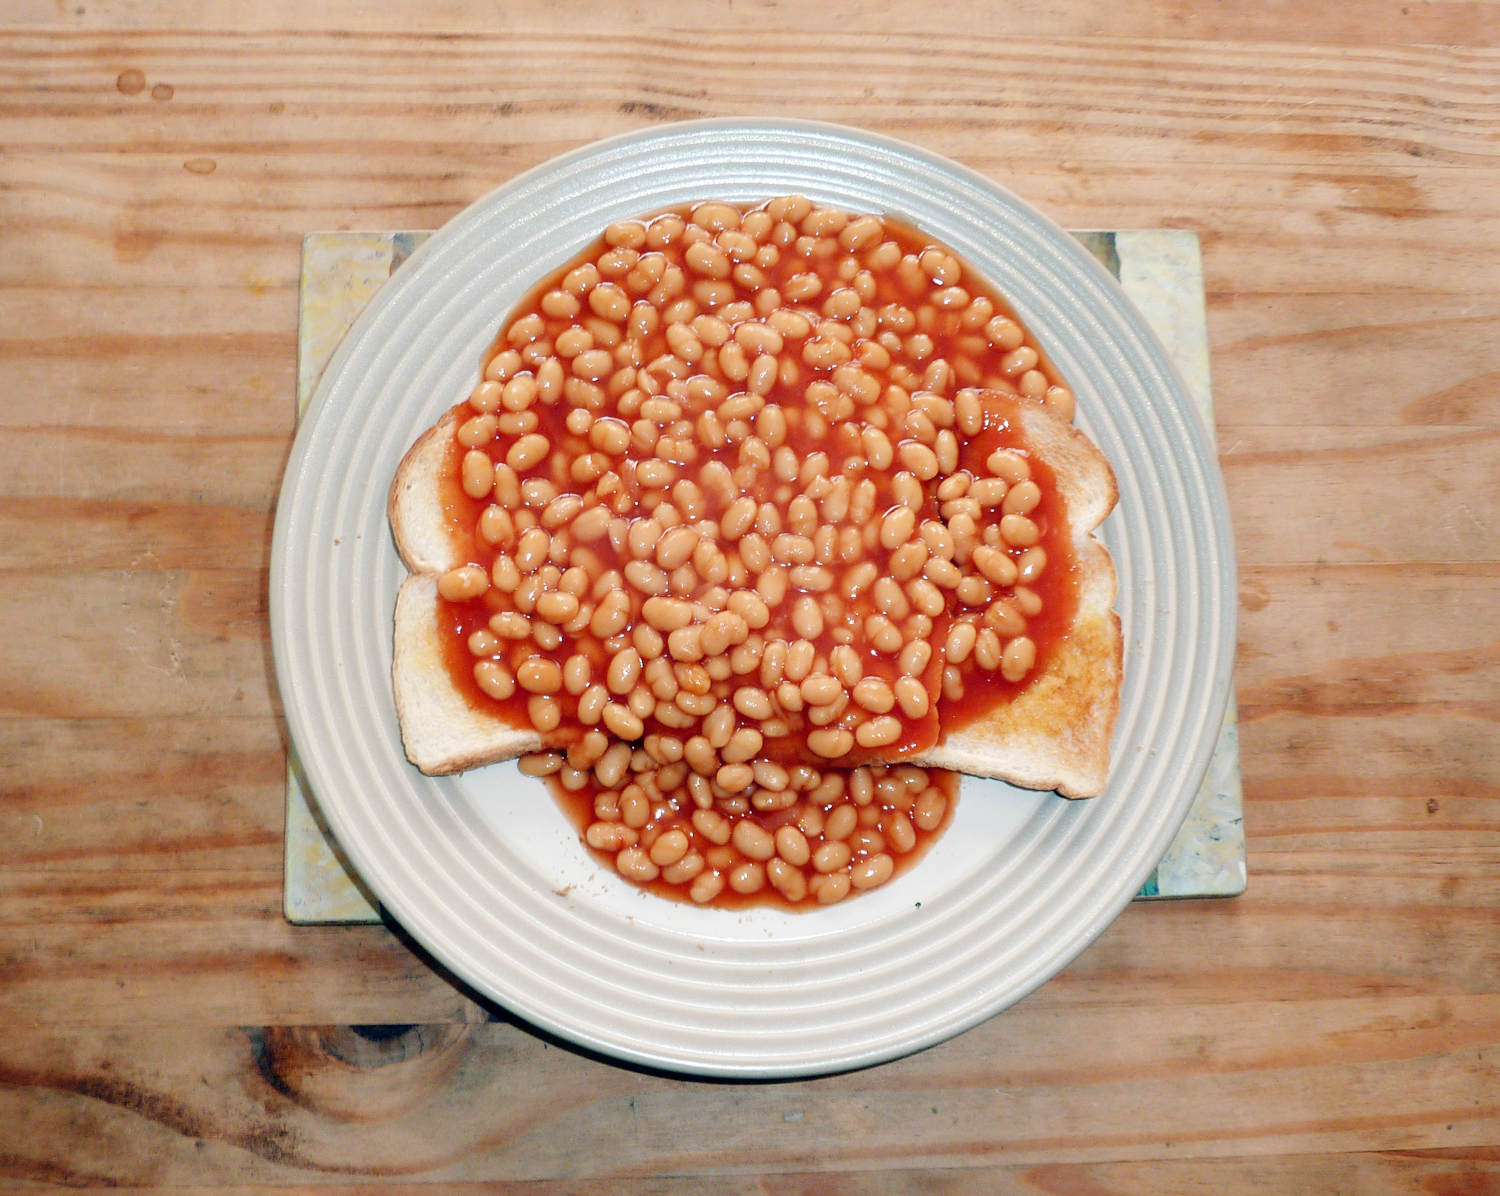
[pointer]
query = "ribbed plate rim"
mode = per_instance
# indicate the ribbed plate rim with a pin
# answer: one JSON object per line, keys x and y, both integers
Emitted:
{"x": 642, "y": 995}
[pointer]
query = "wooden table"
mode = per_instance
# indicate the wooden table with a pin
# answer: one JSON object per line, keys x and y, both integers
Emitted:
{"x": 1337, "y": 1029}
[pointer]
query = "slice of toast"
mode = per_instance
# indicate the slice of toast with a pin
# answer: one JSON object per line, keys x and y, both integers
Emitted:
{"x": 441, "y": 731}
{"x": 1056, "y": 733}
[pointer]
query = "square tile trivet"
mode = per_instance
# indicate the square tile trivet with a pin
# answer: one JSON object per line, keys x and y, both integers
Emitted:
{"x": 1162, "y": 273}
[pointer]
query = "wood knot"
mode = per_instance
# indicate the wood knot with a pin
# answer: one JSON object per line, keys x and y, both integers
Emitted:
{"x": 361, "y": 1073}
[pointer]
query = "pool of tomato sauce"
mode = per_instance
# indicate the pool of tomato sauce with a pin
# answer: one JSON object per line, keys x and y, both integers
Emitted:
{"x": 983, "y": 693}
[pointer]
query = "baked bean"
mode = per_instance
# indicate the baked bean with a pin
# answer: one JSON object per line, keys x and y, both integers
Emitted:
{"x": 792, "y": 846}
{"x": 790, "y": 549}
{"x": 510, "y": 625}
{"x": 840, "y": 823}
{"x": 610, "y": 769}
{"x": 520, "y": 392}
{"x": 830, "y": 742}
{"x": 750, "y": 607}
{"x": 713, "y": 826}
{"x": 800, "y": 656}
{"x": 873, "y": 872}
{"x": 591, "y": 704}
{"x": 883, "y": 635}
{"x": 897, "y": 527}
{"x": 667, "y": 614}
{"x": 752, "y": 702}
{"x": 624, "y": 671}
{"x": 735, "y": 778}
{"x": 706, "y": 887}
{"x": 1004, "y": 619}
{"x": 890, "y": 598}
{"x": 1011, "y": 466}
{"x": 914, "y": 658}
{"x": 593, "y": 365}
{"x": 788, "y": 880}
{"x": 561, "y": 511}
{"x": 946, "y": 452}
{"x": 718, "y": 726}
{"x": 906, "y": 490}
{"x": 874, "y": 694}
{"x": 485, "y": 397}
{"x": 611, "y": 615}
{"x": 539, "y": 675}
{"x": 1060, "y": 400}
{"x": 743, "y": 746}
{"x": 635, "y": 864}
{"x": 528, "y": 452}
{"x": 925, "y": 597}
{"x": 495, "y": 679}
{"x": 695, "y": 704}
{"x": 477, "y": 432}
{"x": 997, "y": 566}
{"x": 478, "y": 474}
{"x": 1022, "y": 498}
{"x": 669, "y": 848}
{"x": 1027, "y": 601}
{"x": 954, "y": 486}
{"x": 1019, "y": 531}
{"x": 969, "y": 412}
{"x": 557, "y": 608}
{"x": 483, "y": 643}
{"x": 723, "y": 630}
{"x": 738, "y": 519}
{"x": 831, "y": 856}
{"x": 496, "y": 527}
{"x": 686, "y": 643}
{"x": 753, "y": 840}
{"x": 1030, "y": 564}
{"x": 622, "y": 721}
{"x": 611, "y": 836}
{"x": 1018, "y": 361}
{"x": 987, "y": 650}
{"x": 919, "y": 459}
{"x": 830, "y": 889}
{"x": 820, "y": 689}
{"x": 912, "y": 696}
{"x": 899, "y": 832}
{"x": 807, "y": 618}
{"x": 989, "y": 492}
{"x": 684, "y": 869}
{"x": 463, "y": 584}
{"x": 846, "y": 665}
{"x": 544, "y": 712}
{"x": 609, "y": 302}
{"x": 878, "y": 732}
{"x": 960, "y": 643}
{"x": 748, "y": 878}
{"x": 1018, "y": 659}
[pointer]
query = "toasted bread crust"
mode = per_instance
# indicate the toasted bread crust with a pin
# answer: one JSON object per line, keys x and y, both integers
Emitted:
{"x": 415, "y": 506}
{"x": 440, "y": 729}
{"x": 1056, "y": 733}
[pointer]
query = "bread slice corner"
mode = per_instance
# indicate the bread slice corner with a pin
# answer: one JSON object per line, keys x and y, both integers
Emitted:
{"x": 1056, "y": 733}
{"x": 441, "y": 732}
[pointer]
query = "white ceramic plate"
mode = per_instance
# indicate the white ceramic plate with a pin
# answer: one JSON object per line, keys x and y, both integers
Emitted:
{"x": 484, "y": 870}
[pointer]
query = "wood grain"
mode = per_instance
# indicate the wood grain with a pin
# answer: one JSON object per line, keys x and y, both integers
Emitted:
{"x": 1333, "y": 1031}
